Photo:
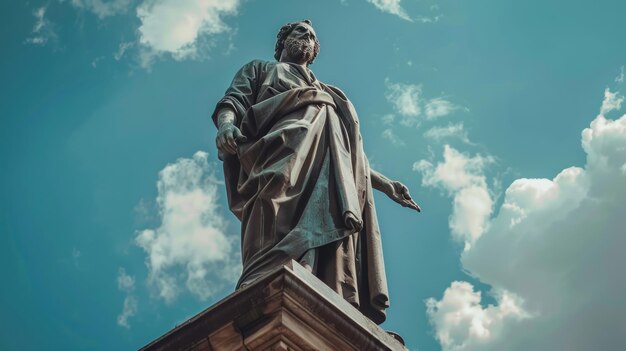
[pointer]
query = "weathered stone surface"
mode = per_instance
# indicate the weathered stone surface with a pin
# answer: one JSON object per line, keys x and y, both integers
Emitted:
{"x": 289, "y": 309}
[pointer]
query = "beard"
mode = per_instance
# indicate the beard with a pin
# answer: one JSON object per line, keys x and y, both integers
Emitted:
{"x": 299, "y": 49}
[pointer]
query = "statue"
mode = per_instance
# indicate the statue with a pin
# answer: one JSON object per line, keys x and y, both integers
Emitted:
{"x": 297, "y": 176}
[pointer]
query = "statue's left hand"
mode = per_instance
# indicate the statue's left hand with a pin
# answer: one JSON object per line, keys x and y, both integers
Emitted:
{"x": 399, "y": 193}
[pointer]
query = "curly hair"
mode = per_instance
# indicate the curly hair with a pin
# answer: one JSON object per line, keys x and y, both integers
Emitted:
{"x": 284, "y": 32}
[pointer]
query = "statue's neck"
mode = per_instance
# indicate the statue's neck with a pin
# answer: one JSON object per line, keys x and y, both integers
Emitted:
{"x": 284, "y": 57}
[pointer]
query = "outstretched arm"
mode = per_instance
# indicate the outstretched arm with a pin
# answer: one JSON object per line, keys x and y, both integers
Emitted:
{"x": 397, "y": 191}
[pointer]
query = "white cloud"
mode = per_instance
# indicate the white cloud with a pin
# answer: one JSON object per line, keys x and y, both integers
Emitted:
{"x": 407, "y": 100}
{"x": 611, "y": 102}
{"x": 121, "y": 50}
{"x": 190, "y": 248}
{"x": 391, "y": 6}
{"x": 388, "y": 119}
{"x": 129, "y": 310}
{"x": 450, "y": 131}
{"x": 457, "y": 171}
{"x": 557, "y": 245}
{"x": 429, "y": 19}
{"x": 438, "y": 107}
{"x": 463, "y": 178}
{"x": 125, "y": 282}
{"x": 390, "y": 135}
{"x": 42, "y": 30}
{"x": 461, "y": 323}
{"x": 103, "y": 8}
{"x": 176, "y": 27}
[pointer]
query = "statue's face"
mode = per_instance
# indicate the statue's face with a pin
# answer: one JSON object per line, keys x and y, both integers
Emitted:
{"x": 303, "y": 31}
{"x": 300, "y": 43}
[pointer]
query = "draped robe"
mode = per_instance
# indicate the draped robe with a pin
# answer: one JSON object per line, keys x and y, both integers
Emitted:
{"x": 292, "y": 182}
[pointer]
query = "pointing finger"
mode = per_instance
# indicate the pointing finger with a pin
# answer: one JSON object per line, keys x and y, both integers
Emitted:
{"x": 415, "y": 206}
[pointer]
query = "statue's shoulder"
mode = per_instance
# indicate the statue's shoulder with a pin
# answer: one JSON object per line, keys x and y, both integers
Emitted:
{"x": 255, "y": 69}
{"x": 336, "y": 90}
{"x": 260, "y": 65}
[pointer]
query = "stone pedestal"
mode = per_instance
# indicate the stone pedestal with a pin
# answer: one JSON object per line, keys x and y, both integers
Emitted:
{"x": 289, "y": 309}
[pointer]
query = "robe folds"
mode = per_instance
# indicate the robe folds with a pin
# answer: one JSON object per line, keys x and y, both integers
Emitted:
{"x": 292, "y": 182}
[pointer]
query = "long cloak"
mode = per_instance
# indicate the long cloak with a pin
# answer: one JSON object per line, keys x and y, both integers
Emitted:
{"x": 300, "y": 171}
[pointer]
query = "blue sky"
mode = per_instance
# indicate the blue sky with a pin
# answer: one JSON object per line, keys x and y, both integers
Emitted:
{"x": 504, "y": 119}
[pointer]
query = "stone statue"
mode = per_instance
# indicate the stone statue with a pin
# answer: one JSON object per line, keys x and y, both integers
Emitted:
{"x": 297, "y": 176}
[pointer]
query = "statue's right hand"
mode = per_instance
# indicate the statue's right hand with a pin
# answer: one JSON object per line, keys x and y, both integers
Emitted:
{"x": 227, "y": 138}
{"x": 352, "y": 222}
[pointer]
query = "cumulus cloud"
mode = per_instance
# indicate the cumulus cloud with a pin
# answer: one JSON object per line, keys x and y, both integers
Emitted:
{"x": 408, "y": 101}
{"x": 190, "y": 248}
{"x": 463, "y": 178}
{"x": 178, "y": 27}
{"x": 129, "y": 310}
{"x": 555, "y": 246}
{"x": 181, "y": 29}
{"x": 102, "y": 8}
{"x": 461, "y": 323}
{"x": 43, "y": 30}
{"x": 456, "y": 130}
{"x": 392, "y": 7}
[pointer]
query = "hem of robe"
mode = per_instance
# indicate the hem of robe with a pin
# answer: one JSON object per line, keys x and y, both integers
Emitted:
{"x": 293, "y": 246}
{"x": 373, "y": 307}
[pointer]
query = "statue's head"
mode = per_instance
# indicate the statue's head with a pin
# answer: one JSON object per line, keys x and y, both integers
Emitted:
{"x": 299, "y": 40}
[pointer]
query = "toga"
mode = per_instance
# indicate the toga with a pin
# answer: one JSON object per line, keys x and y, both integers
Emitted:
{"x": 300, "y": 171}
